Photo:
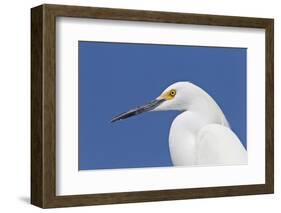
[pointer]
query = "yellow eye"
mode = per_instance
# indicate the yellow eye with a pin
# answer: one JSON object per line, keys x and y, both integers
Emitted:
{"x": 173, "y": 92}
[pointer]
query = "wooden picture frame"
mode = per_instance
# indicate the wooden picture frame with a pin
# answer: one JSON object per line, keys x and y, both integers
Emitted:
{"x": 43, "y": 105}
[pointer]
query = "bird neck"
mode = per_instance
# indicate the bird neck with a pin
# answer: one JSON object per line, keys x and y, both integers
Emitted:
{"x": 202, "y": 104}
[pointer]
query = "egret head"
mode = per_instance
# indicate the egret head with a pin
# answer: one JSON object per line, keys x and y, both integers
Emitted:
{"x": 172, "y": 98}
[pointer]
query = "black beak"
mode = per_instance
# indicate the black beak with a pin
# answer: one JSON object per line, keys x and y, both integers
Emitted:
{"x": 138, "y": 110}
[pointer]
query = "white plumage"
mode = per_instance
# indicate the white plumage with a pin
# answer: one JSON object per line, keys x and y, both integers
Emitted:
{"x": 200, "y": 135}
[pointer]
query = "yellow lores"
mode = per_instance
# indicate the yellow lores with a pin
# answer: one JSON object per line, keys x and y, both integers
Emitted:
{"x": 169, "y": 95}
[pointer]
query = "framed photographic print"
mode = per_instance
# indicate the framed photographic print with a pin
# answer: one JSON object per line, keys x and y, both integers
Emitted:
{"x": 135, "y": 106}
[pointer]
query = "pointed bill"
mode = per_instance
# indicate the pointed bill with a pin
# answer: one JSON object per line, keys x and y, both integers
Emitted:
{"x": 138, "y": 110}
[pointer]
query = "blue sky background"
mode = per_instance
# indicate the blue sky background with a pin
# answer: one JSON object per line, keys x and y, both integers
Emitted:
{"x": 115, "y": 77}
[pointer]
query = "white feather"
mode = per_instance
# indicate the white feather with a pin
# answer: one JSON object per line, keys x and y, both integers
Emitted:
{"x": 201, "y": 135}
{"x": 218, "y": 145}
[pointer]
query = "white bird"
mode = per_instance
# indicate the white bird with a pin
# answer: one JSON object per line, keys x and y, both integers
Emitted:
{"x": 200, "y": 135}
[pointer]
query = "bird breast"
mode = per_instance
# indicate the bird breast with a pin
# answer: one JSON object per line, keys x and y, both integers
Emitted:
{"x": 182, "y": 138}
{"x": 184, "y": 131}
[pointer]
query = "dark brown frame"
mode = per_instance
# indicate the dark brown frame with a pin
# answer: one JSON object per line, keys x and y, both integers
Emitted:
{"x": 43, "y": 105}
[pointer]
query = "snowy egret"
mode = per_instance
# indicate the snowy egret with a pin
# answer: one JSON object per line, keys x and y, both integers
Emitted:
{"x": 201, "y": 134}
